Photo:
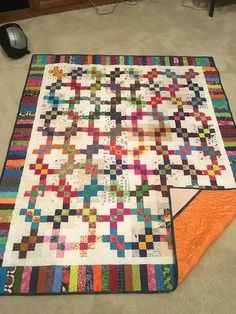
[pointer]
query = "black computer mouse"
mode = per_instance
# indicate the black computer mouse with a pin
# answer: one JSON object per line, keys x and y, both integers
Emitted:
{"x": 13, "y": 40}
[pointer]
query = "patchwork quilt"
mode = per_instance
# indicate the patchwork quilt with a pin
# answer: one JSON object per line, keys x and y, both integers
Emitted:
{"x": 108, "y": 156}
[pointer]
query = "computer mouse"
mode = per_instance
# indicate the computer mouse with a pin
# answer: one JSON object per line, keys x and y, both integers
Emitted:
{"x": 13, "y": 40}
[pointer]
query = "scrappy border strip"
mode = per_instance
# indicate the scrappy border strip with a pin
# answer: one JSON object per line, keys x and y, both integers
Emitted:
{"x": 91, "y": 278}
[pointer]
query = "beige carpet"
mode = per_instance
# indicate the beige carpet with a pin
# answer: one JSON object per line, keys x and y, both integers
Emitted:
{"x": 158, "y": 28}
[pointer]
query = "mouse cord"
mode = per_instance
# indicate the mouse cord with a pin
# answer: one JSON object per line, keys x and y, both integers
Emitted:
{"x": 100, "y": 12}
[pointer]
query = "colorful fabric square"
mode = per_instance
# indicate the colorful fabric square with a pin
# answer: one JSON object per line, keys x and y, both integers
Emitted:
{"x": 84, "y": 196}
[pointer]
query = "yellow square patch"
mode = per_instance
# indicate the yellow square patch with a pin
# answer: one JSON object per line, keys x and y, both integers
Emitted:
{"x": 142, "y": 246}
{"x": 149, "y": 238}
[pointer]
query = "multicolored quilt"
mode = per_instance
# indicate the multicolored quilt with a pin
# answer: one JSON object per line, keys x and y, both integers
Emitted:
{"x": 108, "y": 156}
